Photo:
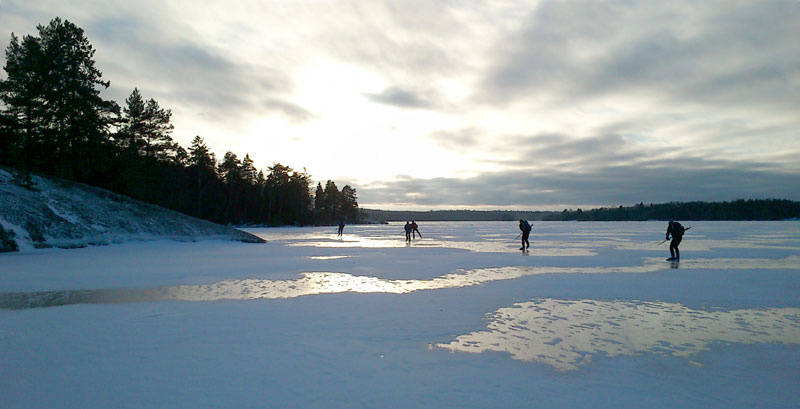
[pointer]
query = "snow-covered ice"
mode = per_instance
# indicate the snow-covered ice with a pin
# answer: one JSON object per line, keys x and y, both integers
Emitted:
{"x": 591, "y": 316}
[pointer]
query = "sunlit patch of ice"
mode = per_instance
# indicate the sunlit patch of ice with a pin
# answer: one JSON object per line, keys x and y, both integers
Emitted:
{"x": 328, "y": 257}
{"x": 567, "y": 334}
{"x": 312, "y": 283}
{"x": 545, "y": 249}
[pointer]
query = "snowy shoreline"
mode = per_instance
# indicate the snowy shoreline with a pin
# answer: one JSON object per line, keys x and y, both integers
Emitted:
{"x": 63, "y": 214}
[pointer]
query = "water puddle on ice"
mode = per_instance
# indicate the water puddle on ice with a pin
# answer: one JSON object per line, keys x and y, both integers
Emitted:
{"x": 568, "y": 334}
{"x": 313, "y": 283}
{"x": 328, "y": 257}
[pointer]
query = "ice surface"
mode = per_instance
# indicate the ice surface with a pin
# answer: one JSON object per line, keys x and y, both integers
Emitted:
{"x": 460, "y": 318}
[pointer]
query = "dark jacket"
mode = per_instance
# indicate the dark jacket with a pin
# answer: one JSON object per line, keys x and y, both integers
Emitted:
{"x": 676, "y": 230}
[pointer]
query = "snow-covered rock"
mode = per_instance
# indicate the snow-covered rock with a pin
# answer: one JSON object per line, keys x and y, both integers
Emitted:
{"x": 59, "y": 213}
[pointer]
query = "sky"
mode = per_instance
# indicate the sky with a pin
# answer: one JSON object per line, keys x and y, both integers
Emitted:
{"x": 494, "y": 104}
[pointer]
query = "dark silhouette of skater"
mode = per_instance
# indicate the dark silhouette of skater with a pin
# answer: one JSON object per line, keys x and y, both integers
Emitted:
{"x": 341, "y": 228}
{"x": 676, "y": 230}
{"x": 526, "y": 232}
{"x": 408, "y": 228}
{"x": 415, "y": 230}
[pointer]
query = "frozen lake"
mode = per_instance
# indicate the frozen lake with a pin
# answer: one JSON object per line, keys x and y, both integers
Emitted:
{"x": 591, "y": 316}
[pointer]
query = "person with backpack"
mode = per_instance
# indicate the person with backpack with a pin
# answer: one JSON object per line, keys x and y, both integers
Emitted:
{"x": 408, "y": 230}
{"x": 526, "y": 231}
{"x": 676, "y": 230}
{"x": 415, "y": 230}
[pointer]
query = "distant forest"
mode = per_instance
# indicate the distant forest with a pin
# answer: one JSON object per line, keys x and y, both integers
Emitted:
{"x": 766, "y": 209}
{"x": 753, "y": 209}
{"x": 453, "y": 215}
{"x": 53, "y": 121}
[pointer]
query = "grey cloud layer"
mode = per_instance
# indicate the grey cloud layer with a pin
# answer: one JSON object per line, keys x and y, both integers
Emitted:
{"x": 610, "y": 169}
{"x": 623, "y": 185}
{"x": 188, "y": 74}
{"x": 741, "y": 54}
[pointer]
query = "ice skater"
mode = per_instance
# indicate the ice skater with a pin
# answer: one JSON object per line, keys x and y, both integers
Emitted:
{"x": 676, "y": 230}
{"x": 526, "y": 232}
{"x": 415, "y": 230}
{"x": 408, "y": 228}
{"x": 341, "y": 228}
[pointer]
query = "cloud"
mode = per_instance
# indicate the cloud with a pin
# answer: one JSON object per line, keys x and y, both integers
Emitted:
{"x": 718, "y": 53}
{"x": 401, "y": 98}
{"x": 623, "y": 185}
{"x": 294, "y": 113}
{"x": 405, "y": 41}
{"x": 189, "y": 74}
{"x": 458, "y": 140}
{"x": 553, "y": 170}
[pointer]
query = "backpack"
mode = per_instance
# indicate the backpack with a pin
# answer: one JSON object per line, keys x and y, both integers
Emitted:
{"x": 677, "y": 229}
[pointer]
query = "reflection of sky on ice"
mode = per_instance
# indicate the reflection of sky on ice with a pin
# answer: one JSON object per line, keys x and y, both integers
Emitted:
{"x": 567, "y": 334}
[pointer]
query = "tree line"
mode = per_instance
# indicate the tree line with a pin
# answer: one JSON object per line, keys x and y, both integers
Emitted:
{"x": 53, "y": 121}
{"x": 752, "y": 209}
{"x": 453, "y": 215}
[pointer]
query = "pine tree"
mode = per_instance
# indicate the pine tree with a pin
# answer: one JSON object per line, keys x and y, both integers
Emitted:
{"x": 332, "y": 210}
{"x": 320, "y": 204}
{"x": 157, "y": 131}
{"x": 75, "y": 117}
{"x": 248, "y": 170}
{"x": 231, "y": 173}
{"x": 131, "y": 133}
{"x": 348, "y": 204}
{"x": 202, "y": 163}
{"x": 21, "y": 94}
{"x": 146, "y": 130}
{"x": 51, "y": 96}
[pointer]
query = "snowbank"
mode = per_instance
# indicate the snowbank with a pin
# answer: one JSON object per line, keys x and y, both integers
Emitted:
{"x": 58, "y": 213}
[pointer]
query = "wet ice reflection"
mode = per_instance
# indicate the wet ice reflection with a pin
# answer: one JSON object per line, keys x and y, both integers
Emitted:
{"x": 550, "y": 248}
{"x": 312, "y": 283}
{"x": 568, "y": 334}
{"x": 701, "y": 244}
{"x": 547, "y": 240}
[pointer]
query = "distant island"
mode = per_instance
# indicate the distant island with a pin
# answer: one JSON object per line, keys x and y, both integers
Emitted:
{"x": 752, "y": 209}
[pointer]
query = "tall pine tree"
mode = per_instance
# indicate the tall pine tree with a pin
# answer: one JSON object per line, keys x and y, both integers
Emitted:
{"x": 52, "y": 97}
